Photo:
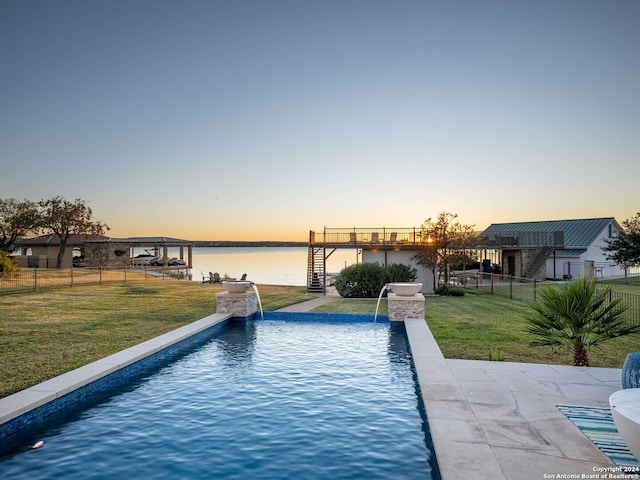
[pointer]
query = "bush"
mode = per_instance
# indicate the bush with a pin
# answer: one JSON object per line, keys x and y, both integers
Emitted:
{"x": 398, "y": 272}
{"x": 8, "y": 265}
{"x": 365, "y": 280}
{"x": 446, "y": 290}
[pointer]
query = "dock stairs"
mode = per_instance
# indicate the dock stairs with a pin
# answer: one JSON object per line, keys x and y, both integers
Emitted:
{"x": 316, "y": 264}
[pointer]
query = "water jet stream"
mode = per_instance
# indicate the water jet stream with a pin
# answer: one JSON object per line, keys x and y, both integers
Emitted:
{"x": 382, "y": 290}
{"x": 255, "y": 289}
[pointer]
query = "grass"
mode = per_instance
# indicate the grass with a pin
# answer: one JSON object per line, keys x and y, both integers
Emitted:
{"x": 44, "y": 334}
{"x": 480, "y": 326}
{"x": 629, "y": 285}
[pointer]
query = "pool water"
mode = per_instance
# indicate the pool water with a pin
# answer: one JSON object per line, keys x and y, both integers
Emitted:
{"x": 262, "y": 400}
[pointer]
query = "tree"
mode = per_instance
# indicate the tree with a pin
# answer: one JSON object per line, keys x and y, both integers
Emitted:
{"x": 577, "y": 316}
{"x": 65, "y": 218}
{"x": 445, "y": 242}
{"x": 624, "y": 249}
{"x": 17, "y": 219}
{"x": 8, "y": 266}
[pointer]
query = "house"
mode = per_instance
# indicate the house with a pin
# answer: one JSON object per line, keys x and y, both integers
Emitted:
{"x": 42, "y": 251}
{"x": 556, "y": 249}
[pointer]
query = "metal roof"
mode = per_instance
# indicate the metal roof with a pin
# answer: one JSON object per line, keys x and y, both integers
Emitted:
{"x": 53, "y": 239}
{"x": 577, "y": 233}
{"x": 145, "y": 240}
{"x": 576, "y": 252}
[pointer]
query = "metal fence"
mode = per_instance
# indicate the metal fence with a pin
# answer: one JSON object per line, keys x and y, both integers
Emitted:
{"x": 36, "y": 279}
{"x": 516, "y": 288}
{"x": 369, "y": 236}
{"x": 526, "y": 289}
{"x": 629, "y": 300}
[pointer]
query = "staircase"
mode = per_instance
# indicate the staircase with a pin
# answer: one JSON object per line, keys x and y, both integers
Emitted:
{"x": 315, "y": 270}
{"x": 537, "y": 261}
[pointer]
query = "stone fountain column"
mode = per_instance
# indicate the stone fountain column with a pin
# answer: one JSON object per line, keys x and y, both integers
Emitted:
{"x": 402, "y": 307}
{"x": 238, "y": 304}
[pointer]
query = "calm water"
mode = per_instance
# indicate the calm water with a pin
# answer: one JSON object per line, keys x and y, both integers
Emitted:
{"x": 263, "y": 265}
{"x": 264, "y": 400}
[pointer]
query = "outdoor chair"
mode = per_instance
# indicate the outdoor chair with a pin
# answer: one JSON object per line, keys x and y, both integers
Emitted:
{"x": 208, "y": 279}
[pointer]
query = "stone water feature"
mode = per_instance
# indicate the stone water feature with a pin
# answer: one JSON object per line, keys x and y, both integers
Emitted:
{"x": 237, "y": 299}
{"x": 404, "y": 301}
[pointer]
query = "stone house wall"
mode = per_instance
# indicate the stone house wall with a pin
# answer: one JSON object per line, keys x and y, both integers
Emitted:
{"x": 107, "y": 255}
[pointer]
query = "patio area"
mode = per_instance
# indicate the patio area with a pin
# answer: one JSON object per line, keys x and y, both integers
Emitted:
{"x": 516, "y": 413}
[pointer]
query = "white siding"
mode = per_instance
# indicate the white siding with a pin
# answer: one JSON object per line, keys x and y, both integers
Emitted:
{"x": 405, "y": 257}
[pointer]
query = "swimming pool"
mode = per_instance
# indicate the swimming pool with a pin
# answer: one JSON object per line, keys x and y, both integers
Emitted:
{"x": 263, "y": 399}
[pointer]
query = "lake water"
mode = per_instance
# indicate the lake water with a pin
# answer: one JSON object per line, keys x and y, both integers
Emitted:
{"x": 263, "y": 265}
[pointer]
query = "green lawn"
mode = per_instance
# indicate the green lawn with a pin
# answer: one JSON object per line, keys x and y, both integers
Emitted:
{"x": 477, "y": 325}
{"x": 44, "y": 334}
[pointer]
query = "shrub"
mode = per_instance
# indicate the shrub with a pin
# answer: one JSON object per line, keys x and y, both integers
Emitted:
{"x": 8, "y": 265}
{"x": 446, "y": 290}
{"x": 361, "y": 280}
{"x": 399, "y": 272}
{"x": 577, "y": 316}
{"x": 365, "y": 280}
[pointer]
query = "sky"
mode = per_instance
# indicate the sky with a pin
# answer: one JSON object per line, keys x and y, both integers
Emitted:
{"x": 265, "y": 119}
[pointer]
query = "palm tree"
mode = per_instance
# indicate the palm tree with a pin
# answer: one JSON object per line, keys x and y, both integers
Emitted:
{"x": 577, "y": 316}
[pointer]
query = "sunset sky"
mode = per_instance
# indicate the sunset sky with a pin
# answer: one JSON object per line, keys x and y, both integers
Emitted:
{"x": 262, "y": 120}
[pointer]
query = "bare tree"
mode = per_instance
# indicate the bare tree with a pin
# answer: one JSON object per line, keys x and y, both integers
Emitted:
{"x": 66, "y": 218}
{"x": 445, "y": 242}
{"x": 17, "y": 219}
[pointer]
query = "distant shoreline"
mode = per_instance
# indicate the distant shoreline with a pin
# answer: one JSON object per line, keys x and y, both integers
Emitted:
{"x": 231, "y": 243}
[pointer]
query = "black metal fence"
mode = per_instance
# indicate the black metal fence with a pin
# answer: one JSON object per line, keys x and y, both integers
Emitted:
{"x": 35, "y": 279}
{"x": 516, "y": 288}
{"x": 629, "y": 300}
{"x": 526, "y": 289}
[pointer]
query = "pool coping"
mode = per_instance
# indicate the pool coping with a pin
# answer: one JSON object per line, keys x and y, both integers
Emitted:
{"x": 453, "y": 426}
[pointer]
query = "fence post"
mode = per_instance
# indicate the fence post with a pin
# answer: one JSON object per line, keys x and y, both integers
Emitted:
{"x": 534, "y": 290}
{"x": 510, "y": 287}
{"x": 491, "y": 276}
{"x": 71, "y": 272}
{"x": 35, "y": 279}
{"x": 100, "y": 282}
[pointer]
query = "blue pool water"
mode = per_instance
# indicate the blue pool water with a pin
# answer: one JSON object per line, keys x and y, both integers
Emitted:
{"x": 265, "y": 399}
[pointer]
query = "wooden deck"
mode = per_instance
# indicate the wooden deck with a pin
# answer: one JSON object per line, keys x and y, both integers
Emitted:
{"x": 323, "y": 244}
{"x": 368, "y": 238}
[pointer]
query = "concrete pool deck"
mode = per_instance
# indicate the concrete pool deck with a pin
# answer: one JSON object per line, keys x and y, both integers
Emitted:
{"x": 499, "y": 420}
